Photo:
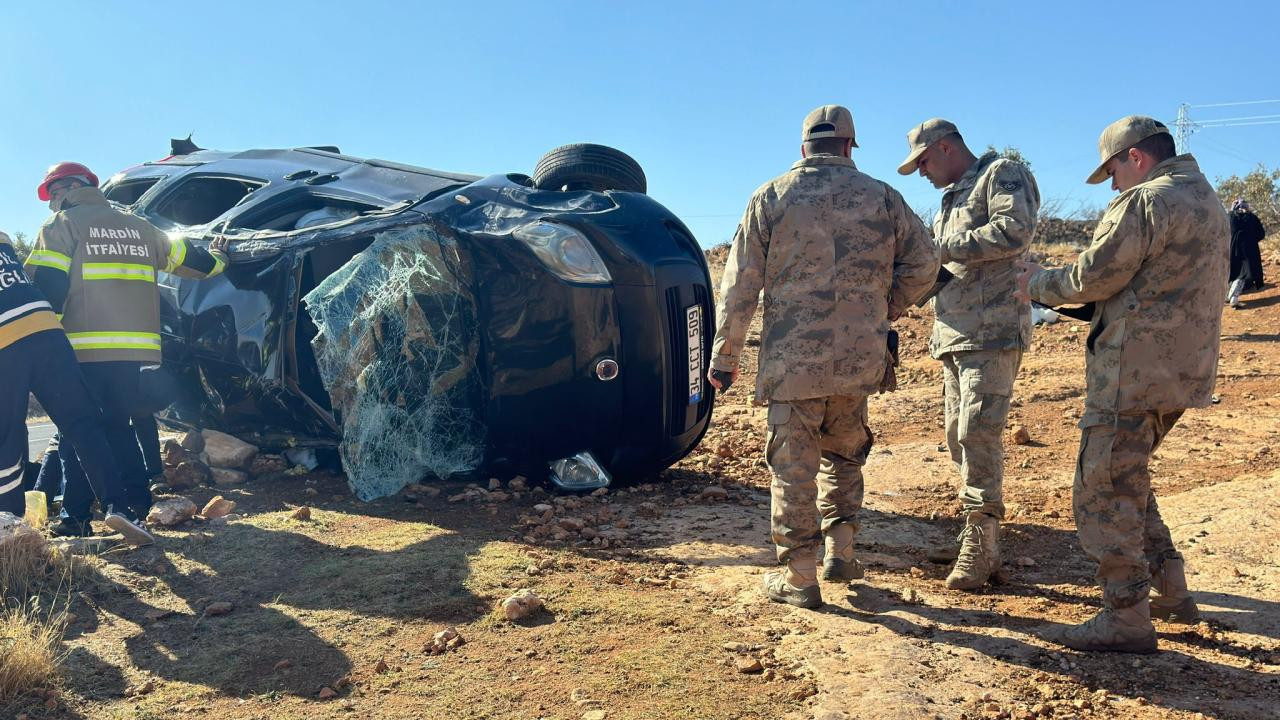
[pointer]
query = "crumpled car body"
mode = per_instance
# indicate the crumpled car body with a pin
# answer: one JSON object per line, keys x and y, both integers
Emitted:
{"x": 370, "y": 301}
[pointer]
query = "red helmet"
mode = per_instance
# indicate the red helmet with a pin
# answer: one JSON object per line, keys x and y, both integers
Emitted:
{"x": 64, "y": 170}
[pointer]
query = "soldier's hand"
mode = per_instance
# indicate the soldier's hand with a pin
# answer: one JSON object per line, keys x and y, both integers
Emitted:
{"x": 721, "y": 380}
{"x": 219, "y": 244}
{"x": 1026, "y": 271}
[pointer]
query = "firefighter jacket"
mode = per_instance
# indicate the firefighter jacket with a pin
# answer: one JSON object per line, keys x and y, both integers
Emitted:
{"x": 23, "y": 310}
{"x": 97, "y": 266}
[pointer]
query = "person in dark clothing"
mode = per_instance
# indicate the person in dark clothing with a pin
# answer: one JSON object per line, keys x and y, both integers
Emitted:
{"x": 156, "y": 389}
{"x": 143, "y": 421}
{"x": 1246, "y": 259}
{"x": 36, "y": 358}
{"x": 47, "y": 476}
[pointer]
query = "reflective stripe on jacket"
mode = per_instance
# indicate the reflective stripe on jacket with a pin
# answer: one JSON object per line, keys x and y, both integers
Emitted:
{"x": 23, "y": 311}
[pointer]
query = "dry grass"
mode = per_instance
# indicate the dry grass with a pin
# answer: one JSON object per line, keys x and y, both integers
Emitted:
{"x": 34, "y": 588}
{"x": 30, "y": 647}
{"x": 24, "y": 561}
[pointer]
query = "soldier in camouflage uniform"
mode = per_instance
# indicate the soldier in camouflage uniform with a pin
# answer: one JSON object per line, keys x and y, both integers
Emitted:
{"x": 984, "y": 226}
{"x": 838, "y": 255}
{"x": 1156, "y": 272}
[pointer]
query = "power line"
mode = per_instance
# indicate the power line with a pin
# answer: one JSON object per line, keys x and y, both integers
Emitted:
{"x": 1234, "y": 104}
{"x": 1218, "y": 147}
{"x": 1185, "y": 127}
{"x": 1203, "y": 123}
{"x": 1244, "y": 124}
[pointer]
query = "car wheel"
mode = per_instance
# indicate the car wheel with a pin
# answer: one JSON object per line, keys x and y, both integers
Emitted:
{"x": 584, "y": 166}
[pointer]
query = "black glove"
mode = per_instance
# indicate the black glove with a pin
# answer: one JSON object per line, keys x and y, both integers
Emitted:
{"x": 944, "y": 276}
{"x": 724, "y": 378}
{"x": 1083, "y": 312}
{"x": 889, "y": 382}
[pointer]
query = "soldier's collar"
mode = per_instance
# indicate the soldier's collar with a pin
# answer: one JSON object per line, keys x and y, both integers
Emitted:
{"x": 978, "y": 166}
{"x": 1185, "y": 162}
{"x": 970, "y": 176}
{"x": 823, "y": 159}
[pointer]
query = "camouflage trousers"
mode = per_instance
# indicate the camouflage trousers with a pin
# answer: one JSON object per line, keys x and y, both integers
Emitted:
{"x": 977, "y": 385}
{"x": 1117, "y": 518}
{"x": 815, "y": 450}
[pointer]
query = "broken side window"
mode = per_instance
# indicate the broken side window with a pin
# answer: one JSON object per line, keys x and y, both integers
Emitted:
{"x": 201, "y": 200}
{"x": 127, "y": 192}
{"x": 298, "y": 211}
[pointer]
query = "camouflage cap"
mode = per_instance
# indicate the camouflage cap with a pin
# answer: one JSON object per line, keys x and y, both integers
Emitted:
{"x": 829, "y": 121}
{"x": 921, "y": 137}
{"x": 1120, "y": 136}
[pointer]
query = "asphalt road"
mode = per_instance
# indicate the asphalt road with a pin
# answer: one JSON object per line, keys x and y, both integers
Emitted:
{"x": 38, "y": 437}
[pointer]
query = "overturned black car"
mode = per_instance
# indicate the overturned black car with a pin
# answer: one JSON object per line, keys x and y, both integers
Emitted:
{"x": 433, "y": 324}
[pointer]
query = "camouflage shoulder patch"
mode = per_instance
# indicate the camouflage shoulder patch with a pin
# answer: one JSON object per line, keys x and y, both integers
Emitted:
{"x": 1010, "y": 185}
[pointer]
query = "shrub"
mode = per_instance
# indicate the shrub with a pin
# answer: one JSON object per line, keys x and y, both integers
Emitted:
{"x": 30, "y": 648}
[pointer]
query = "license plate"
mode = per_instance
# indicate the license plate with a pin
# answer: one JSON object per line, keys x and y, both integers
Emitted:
{"x": 693, "y": 323}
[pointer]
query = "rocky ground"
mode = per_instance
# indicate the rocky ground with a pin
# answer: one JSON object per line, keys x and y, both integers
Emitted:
{"x": 643, "y": 602}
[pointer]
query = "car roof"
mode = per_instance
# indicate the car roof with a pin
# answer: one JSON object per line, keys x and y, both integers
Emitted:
{"x": 369, "y": 176}
{"x": 317, "y": 170}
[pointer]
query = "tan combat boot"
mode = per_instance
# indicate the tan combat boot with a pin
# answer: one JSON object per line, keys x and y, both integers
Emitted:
{"x": 1112, "y": 630}
{"x": 979, "y": 557}
{"x": 840, "y": 565}
{"x": 1172, "y": 602}
{"x": 797, "y": 585}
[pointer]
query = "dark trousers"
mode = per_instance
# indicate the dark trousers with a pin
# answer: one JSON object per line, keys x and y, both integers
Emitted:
{"x": 148, "y": 433}
{"x": 48, "y": 479}
{"x": 114, "y": 386}
{"x": 44, "y": 365}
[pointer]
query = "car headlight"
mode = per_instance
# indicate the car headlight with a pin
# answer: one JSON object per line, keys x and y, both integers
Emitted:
{"x": 579, "y": 472}
{"x": 565, "y": 251}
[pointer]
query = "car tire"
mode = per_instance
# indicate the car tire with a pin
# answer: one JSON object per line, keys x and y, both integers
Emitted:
{"x": 584, "y": 166}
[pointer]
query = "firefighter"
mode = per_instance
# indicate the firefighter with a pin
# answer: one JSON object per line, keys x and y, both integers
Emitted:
{"x": 97, "y": 267}
{"x": 35, "y": 357}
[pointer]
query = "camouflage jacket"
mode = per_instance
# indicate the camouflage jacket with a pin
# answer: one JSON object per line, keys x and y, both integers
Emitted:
{"x": 983, "y": 228}
{"x": 837, "y": 254}
{"x": 1157, "y": 270}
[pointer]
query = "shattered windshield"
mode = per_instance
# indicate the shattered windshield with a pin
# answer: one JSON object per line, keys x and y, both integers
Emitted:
{"x": 397, "y": 349}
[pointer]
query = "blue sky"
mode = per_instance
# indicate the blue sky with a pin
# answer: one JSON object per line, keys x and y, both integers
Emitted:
{"x": 708, "y": 96}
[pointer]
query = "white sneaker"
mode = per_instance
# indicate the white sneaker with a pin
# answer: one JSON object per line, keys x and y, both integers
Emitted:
{"x": 133, "y": 533}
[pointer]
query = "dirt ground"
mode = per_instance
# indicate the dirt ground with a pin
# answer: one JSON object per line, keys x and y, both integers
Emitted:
{"x": 652, "y": 601}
